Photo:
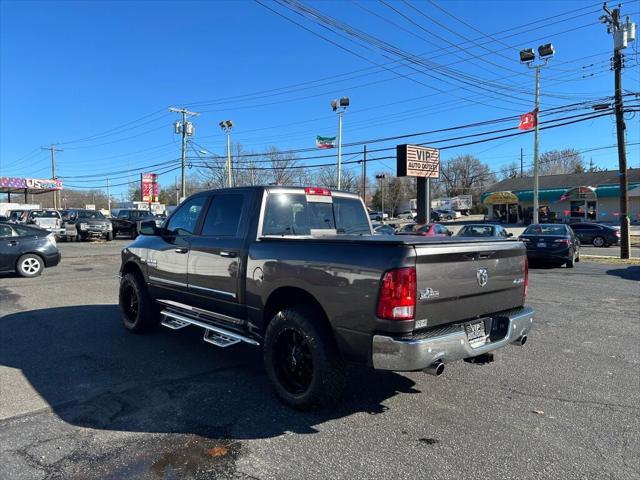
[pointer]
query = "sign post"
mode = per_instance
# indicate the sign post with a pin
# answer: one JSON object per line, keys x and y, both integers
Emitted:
{"x": 423, "y": 163}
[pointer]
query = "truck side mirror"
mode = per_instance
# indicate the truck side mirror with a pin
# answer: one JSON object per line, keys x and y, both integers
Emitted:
{"x": 148, "y": 227}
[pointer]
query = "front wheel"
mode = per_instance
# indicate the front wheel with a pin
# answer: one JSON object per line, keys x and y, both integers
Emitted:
{"x": 138, "y": 311}
{"x": 109, "y": 236}
{"x": 29, "y": 265}
{"x": 302, "y": 360}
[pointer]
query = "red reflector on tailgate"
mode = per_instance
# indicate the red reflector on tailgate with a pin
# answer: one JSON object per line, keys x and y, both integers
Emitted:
{"x": 397, "y": 300}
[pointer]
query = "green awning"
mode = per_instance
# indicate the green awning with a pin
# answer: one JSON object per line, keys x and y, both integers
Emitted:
{"x": 544, "y": 195}
{"x": 608, "y": 191}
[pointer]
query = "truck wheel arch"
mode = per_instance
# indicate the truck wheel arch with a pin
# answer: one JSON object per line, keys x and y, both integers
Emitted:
{"x": 132, "y": 267}
{"x": 287, "y": 297}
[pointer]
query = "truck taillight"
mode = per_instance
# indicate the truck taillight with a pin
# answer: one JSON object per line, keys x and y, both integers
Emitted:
{"x": 317, "y": 191}
{"x": 526, "y": 276}
{"x": 397, "y": 299}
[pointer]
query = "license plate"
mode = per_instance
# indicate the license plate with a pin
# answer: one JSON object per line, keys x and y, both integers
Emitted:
{"x": 542, "y": 245}
{"x": 475, "y": 333}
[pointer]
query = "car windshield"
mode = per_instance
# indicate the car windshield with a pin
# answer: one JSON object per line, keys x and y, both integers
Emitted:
{"x": 476, "y": 231}
{"x": 45, "y": 214}
{"x": 557, "y": 230}
{"x": 293, "y": 214}
{"x": 90, "y": 214}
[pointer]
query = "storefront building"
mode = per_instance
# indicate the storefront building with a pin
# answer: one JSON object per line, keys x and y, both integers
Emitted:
{"x": 589, "y": 197}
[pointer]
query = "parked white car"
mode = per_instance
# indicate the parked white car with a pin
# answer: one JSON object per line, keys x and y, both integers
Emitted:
{"x": 378, "y": 216}
{"x": 408, "y": 215}
{"x": 449, "y": 214}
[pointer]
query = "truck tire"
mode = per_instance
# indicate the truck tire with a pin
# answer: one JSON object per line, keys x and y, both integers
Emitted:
{"x": 138, "y": 311}
{"x": 109, "y": 236}
{"x": 29, "y": 265}
{"x": 134, "y": 233}
{"x": 302, "y": 360}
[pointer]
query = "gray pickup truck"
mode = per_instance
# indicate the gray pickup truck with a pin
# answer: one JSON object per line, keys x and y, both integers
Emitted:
{"x": 298, "y": 272}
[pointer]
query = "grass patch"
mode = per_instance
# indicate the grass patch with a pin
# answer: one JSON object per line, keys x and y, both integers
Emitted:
{"x": 610, "y": 260}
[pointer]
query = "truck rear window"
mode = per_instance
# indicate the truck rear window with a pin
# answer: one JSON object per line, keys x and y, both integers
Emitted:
{"x": 292, "y": 214}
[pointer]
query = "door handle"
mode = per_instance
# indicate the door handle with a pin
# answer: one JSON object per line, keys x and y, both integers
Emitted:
{"x": 224, "y": 253}
{"x": 13, "y": 243}
{"x": 181, "y": 250}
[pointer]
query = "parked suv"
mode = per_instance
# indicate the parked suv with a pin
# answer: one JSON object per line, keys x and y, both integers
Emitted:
{"x": 298, "y": 272}
{"x": 91, "y": 224}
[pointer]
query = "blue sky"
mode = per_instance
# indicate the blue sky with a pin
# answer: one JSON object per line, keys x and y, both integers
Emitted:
{"x": 97, "y": 78}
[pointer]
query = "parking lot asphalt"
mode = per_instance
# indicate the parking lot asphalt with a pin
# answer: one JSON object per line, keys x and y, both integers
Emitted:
{"x": 80, "y": 398}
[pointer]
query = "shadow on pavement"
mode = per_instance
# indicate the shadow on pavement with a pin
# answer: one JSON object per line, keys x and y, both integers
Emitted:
{"x": 94, "y": 374}
{"x": 628, "y": 273}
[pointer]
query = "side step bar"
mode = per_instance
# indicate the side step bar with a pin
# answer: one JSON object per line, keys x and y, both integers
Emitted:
{"x": 213, "y": 333}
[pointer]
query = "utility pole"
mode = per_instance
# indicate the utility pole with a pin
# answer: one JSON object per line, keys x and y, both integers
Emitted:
{"x": 364, "y": 174}
{"x": 186, "y": 129}
{"x": 521, "y": 162}
{"x": 53, "y": 150}
{"x": 177, "y": 192}
{"x": 108, "y": 197}
{"x": 623, "y": 33}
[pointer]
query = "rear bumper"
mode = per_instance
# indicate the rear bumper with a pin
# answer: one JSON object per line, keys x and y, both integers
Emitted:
{"x": 409, "y": 354}
{"x": 559, "y": 255}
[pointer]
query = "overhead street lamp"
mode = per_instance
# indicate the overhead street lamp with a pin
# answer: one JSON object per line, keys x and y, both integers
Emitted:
{"x": 528, "y": 56}
{"x": 227, "y": 125}
{"x": 381, "y": 177}
{"x": 339, "y": 106}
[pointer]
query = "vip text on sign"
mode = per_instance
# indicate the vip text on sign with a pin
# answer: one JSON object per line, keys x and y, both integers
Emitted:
{"x": 415, "y": 161}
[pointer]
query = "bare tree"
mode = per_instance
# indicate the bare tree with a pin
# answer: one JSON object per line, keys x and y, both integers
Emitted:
{"x": 512, "y": 170}
{"x": 466, "y": 174}
{"x": 283, "y": 167}
{"x": 556, "y": 162}
{"x": 328, "y": 177}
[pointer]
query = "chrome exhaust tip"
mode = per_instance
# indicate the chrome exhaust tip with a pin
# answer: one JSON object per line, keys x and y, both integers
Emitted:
{"x": 520, "y": 341}
{"x": 435, "y": 369}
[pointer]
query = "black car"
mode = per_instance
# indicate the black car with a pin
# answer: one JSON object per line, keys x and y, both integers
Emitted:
{"x": 553, "y": 243}
{"x": 90, "y": 224}
{"x": 26, "y": 250}
{"x": 596, "y": 234}
{"x": 484, "y": 230}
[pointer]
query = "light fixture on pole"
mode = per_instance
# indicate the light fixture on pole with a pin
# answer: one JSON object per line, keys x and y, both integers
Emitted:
{"x": 227, "y": 125}
{"x": 339, "y": 106}
{"x": 528, "y": 56}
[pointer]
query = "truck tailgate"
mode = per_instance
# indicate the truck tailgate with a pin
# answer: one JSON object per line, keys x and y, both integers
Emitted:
{"x": 460, "y": 281}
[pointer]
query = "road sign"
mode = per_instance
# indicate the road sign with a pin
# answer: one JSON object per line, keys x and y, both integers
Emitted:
{"x": 416, "y": 161}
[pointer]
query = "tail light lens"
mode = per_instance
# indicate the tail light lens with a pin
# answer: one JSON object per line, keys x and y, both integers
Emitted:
{"x": 617, "y": 232}
{"x": 564, "y": 241}
{"x": 526, "y": 276}
{"x": 397, "y": 299}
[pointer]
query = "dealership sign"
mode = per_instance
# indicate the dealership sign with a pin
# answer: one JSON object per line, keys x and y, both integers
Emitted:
{"x": 30, "y": 183}
{"x": 416, "y": 161}
{"x": 150, "y": 187}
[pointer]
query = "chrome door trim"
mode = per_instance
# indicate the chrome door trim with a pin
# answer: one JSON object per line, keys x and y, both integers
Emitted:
{"x": 167, "y": 282}
{"x": 213, "y": 290}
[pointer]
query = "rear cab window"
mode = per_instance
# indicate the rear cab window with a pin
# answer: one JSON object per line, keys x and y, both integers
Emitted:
{"x": 296, "y": 213}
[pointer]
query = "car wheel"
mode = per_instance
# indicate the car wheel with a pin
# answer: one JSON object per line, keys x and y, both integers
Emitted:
{"x": 302, "y": 360}
{"x": 29, "y": 265}
{"x": 134, "y": 234}
{"x": 138, "y": 311}
{"x": 109, "y": 236}
{"x": 571, "y": 262}
{"x": 598, "y": 242}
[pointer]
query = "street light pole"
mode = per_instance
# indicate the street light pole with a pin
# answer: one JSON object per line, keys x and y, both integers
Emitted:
{"x": 339, "y": 148}
{"x": 545, "y": 52}
{"x": 227, "y": 125}
{"x": 536, "y": 183}
{"x": 339, "y": 106}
